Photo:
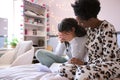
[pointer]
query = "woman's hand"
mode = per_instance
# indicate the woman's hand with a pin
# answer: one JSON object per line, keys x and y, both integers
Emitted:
{"x": 76, "y": 61}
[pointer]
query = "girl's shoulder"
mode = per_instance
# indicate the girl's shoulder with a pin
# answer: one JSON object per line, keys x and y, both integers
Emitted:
{"x": 80, "y": 39}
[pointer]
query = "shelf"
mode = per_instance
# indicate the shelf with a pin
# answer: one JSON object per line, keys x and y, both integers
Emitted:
{"x": 37, "y": 25}
{"x": 42, "y": 47}
{"x": 35, "y": 35}
{"x": 34, "y": 7}
{"x": 35, "y": 16}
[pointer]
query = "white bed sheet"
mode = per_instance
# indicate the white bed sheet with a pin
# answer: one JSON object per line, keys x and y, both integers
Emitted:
{"x": 29, "y": 72}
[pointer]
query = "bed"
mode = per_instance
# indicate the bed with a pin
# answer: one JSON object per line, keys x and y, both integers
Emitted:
{"x": 34, "y": 72}
{"x": 30, "y": 72}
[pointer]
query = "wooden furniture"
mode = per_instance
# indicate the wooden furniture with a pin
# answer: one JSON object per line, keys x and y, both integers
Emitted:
{"x": 35, "y": 24}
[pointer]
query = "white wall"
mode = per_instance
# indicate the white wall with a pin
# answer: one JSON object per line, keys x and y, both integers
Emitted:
{"x": 59, "y": 9}
{"x": 110, "y": 10}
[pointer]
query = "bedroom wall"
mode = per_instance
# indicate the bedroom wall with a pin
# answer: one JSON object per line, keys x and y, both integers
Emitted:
{"x": 59, "y": 9}
{"x": 110, "y": 10}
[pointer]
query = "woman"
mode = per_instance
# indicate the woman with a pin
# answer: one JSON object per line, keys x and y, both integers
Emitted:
{"x": 102, "y": 47}
{"x": 72, "y": 41}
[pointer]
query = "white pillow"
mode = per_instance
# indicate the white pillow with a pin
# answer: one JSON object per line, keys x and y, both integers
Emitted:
{"x": 23, "y": 47}
{"x": 7, "y": 58}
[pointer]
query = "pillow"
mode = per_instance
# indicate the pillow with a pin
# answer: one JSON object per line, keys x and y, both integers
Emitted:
{"x": 23, "y": 47}
{"x": 24, "y": 59}
{"x": 7, "y": 58}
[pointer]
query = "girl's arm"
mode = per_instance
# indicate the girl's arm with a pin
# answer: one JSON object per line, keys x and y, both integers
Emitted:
{"x": 60, "y": 49}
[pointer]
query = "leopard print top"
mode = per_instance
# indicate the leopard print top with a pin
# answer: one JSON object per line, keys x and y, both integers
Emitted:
{"x": 103, "y": 53}
{"x": 102, "y": 43}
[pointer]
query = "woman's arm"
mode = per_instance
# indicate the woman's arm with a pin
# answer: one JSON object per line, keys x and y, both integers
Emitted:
{"x": 109, "y": 43}
{"x": 76, "y": 61}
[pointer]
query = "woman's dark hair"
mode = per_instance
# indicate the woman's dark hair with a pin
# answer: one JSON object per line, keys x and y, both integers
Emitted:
{"x": 86, "y": 9}
{"x": 68, "y": 24}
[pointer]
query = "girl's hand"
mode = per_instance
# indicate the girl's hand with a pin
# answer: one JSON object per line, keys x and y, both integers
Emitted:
{"x": 61, "y": 37}
{"x": 65, "y": 36}
{"x": 76, "y": 61}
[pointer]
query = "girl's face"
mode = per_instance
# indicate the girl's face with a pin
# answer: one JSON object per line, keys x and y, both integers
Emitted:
{"x": 66, "y": 36}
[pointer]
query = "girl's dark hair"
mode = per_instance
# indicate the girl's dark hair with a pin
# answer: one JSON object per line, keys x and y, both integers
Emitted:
{"x": 68, "y": 24}
{"x": 86, "y": 9}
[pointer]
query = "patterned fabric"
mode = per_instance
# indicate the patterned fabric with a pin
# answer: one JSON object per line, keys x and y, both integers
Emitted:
{"x": 103, "y": 51}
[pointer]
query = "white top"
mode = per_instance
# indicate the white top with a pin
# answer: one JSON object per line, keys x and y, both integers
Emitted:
{"x": 76, "y": 48}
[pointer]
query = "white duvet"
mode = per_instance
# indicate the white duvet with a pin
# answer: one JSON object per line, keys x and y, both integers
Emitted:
{"x": 30, "y": 72}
